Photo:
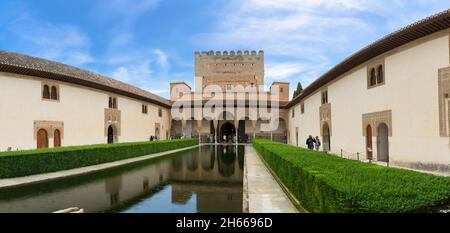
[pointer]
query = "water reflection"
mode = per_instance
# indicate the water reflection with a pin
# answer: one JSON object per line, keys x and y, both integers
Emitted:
{"x": 226, "y": 161}
{"x": 207, "y": 179}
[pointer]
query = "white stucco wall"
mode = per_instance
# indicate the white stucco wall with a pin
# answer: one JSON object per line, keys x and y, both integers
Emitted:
{"x": 308, "y": 123}
{"x": 80, "y": 108}
{"x": 410, "y": 91}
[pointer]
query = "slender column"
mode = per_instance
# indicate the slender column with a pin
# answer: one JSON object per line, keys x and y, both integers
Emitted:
{"x": 169, "y": 133}
{"x": 199, "y": 127}
{"x": 183, "y": 127}
{"x": 216, "y": 124}
{"x": 236, "y": 122}
{"x": 254, "y": 128}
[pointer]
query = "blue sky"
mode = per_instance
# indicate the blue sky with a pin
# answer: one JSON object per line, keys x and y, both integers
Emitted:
{"x": 149, "y": 43}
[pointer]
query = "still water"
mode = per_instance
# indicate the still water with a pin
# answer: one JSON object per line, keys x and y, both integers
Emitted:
{"x": 206, "y": 179}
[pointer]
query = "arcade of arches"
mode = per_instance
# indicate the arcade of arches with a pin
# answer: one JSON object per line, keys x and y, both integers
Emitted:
{"x": 227, "y": 131}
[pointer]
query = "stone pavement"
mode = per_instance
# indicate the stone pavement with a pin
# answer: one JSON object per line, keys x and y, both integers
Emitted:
{"x": 262, "y": 193}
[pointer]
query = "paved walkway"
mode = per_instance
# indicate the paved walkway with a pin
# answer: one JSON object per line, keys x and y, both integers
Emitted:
{"x": 13, "y": 182}
{"x": 264, "y": 193}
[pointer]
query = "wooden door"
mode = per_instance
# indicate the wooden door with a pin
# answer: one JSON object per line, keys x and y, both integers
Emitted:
{"x": 369, "y": 145}
{"x": 42, "y": 139}
{"x": 57, "y": 138}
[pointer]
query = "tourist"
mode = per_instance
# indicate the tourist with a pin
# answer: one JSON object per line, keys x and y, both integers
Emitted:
{"x": 317, "y": 143}
{"x": 310, "y": 142}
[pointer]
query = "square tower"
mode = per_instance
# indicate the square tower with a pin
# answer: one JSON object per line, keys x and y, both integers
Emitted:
{"x": 227, "y": 69}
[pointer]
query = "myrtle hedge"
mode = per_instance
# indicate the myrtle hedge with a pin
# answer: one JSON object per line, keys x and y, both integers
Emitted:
{"x": 29, "y": 162}
{"x": 327, "y": 183}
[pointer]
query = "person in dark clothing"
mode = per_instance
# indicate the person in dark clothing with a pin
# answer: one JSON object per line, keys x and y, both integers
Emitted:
{"x": 310, "y": 142}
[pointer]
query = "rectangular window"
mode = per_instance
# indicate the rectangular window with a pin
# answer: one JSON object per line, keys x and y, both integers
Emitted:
{"x": 302, "y": 106}
{"x": 50, "y": 91}
{"x": 325, "y": 97}
{"x": 112, "y": 102}
{"x": 375, "y": 75}
{"x": 144, "y": 109}
{"x": 160, "y": 112}
{"x": 293, "y": 112}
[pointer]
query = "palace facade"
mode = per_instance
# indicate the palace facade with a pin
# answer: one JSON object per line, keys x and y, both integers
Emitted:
{"x": 229, "y": 103}
{"x": 387, "y": 103}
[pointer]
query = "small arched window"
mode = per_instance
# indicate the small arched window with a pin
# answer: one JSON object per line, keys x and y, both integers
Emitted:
{"x": 380, "y": 74}
{"x": 114, "y": 103}
{"x": 54, "y": 93}
{"x": 110, "y": 103}
{"x": 46, "y": 92}
{"x": 373, "y": 78}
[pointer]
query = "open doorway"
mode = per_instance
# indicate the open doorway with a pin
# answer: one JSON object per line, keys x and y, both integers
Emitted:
{"x": 227, "y": 132}
{"x": 111, "y": 134}
{"x": 383, "y": 143}
{"x": 326, "y": 137}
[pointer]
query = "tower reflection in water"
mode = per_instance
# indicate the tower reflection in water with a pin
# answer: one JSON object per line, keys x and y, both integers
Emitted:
{"x": 213, "y": 176}
{"x": 206, "y": 179}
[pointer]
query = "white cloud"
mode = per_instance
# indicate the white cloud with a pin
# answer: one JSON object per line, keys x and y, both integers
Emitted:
{"x": 64, "y": 43}
{"x": 303, "y": 39}
{"x": 161, "y": 57}
{"x": 148, "y": 69}
{"x": 133, "y": 73}
{"x": 282, "y": 71}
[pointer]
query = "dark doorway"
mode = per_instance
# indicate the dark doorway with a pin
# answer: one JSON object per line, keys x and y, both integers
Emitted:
{"x": 383, "y": 143}
{"x": 369, "y": 146}
{"x": 326, "y": 137}
{"x": 227, "y": 133}
{"x": 110, "y": 135}
{"x": 157, "y": 136}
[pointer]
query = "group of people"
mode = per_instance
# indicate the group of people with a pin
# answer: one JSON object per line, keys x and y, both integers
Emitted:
{"x": 313, "y": 143}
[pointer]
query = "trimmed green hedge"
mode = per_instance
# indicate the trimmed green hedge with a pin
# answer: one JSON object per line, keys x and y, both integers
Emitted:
{"x": 29, "y": 162}
{"x": 326, "y": 183}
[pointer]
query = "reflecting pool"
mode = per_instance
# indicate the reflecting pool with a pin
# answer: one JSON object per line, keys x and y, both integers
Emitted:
{"x": 205, "y": 179}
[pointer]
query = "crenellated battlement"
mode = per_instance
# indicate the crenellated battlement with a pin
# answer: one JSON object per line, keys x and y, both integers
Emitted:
{"x": 228, "y": 67}
{"x": 230, "y": 54}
